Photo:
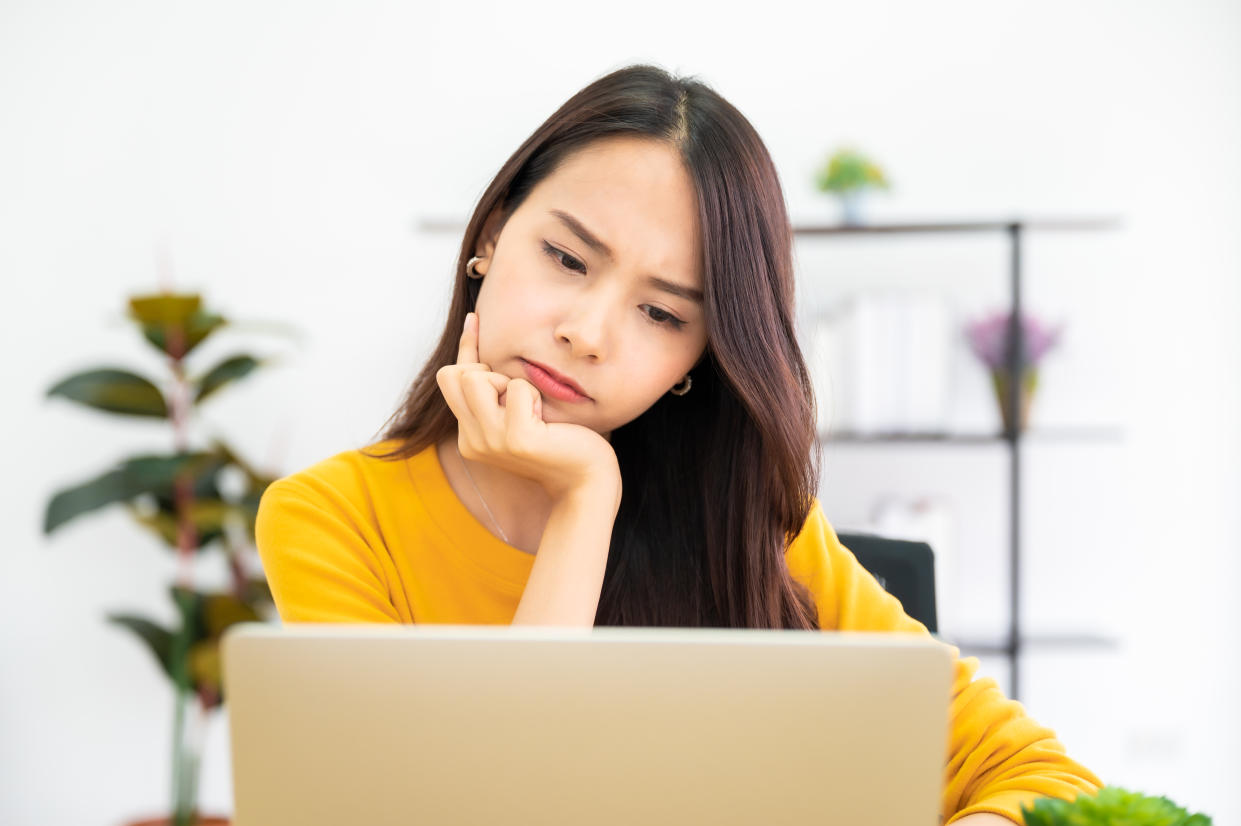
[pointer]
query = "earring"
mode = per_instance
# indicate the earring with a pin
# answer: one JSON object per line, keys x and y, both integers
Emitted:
{"x": 470, "y": 272}
{"x": 681, "y": 391}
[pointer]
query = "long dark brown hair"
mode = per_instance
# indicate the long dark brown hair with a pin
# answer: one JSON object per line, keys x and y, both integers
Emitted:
{"x": 718, "y": 481}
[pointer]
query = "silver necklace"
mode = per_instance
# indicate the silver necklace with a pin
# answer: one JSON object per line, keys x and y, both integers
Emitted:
{"x": 469, "y": 476}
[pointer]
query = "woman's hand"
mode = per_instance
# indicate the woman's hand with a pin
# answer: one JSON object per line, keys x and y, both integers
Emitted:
{"x": 500, "y": 422}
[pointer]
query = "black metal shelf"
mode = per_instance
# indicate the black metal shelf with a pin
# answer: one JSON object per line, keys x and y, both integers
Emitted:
{"x": 1013, "y": 228}
{"x": 1042, "y": 434}
{"x": 914, "y": 227}
{"x": 1062, "y": 641}
{"x": 440, "y": 225}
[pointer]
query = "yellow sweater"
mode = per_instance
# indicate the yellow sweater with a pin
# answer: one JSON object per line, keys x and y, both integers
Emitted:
{"x": 358, "y": 539}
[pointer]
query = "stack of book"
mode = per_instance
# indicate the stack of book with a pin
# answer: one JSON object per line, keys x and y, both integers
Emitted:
{"x": 881, "y": 363}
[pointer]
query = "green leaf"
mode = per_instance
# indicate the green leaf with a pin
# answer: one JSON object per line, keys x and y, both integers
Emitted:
{"x": 223, "y": 610}
{"x": 200, "y": 612}
{"x": 158, "y": 640}
{"x": 201, "y": 654}
{"x": 192, "y": 334}
{"x": 258, "y": 592}
{"x": 114, "y": 391}
{"x": 190, "y": 605}
{"x": 158, "y": 474}
{"x": 215, "y": 614}
{"x": 257, "y": 480}
{"x": 229, "y": 370}
{"x": 99, "y": 492}
{"x": 209, "y": 511}
{"x": 1112, "y": 805}
{"x": 142, "y": 475}
{"x": 204, "y": 664}
{"x": 208, "y": 516}
{"x": 164, "y": 308}
{"x": 175, "y": 323}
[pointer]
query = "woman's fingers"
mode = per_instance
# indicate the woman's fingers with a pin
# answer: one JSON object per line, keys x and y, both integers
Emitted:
{"x": 450, "y": 377}
{"x": 450, "y": 380}
{"x": 481, "y": 391}
{"x": 467, "y": 347}
{"x": 500, "y": 420}
{"x": 523, "y": 408}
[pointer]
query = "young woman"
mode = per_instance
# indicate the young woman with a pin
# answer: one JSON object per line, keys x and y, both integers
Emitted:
{"x": 617, "y": 426}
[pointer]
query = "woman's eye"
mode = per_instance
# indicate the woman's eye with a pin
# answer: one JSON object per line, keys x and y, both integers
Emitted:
{"x": 564, "y": 259}
{"x": 658, "y": 316}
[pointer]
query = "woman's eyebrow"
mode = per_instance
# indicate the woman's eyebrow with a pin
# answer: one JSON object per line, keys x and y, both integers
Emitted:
{"x": 591, "y": 240}
{"x": 674, "y": 288}
{"x": 588, "y": 237}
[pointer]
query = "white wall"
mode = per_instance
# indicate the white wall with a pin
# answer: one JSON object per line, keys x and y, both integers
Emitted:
{"x": 284, "y": 151}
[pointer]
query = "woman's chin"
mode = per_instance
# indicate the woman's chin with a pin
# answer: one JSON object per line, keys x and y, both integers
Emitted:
{"x": 552, "y": 414}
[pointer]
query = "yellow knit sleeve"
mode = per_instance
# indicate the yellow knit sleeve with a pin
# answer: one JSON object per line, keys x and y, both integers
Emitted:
{"x": 998, "y": 757}
{"x": 319, "y": 561}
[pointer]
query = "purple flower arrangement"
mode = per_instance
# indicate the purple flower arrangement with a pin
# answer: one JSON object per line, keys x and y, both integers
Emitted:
{"x": 988, "y": 339}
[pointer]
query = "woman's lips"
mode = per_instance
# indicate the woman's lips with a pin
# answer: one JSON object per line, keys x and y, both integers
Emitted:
{"x": 549, "y": 386}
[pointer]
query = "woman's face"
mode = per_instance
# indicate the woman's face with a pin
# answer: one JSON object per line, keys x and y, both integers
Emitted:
{"x": 596, "y": 275}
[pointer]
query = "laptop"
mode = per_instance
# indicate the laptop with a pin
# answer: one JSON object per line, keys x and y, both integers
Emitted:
{"x": 378, "y": 725}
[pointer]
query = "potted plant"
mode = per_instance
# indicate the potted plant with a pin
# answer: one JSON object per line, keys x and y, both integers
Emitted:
{"x": 848, "y": 174}
{"x": 991, "y": 339}
{"x": 182, "y": 498}
{"x": 1110, "y": 807}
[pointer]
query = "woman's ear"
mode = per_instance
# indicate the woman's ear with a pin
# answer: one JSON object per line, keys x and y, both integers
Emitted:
{"x": 490, "y": 236}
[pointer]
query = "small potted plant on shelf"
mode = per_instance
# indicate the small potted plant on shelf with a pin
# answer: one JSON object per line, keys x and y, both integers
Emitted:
{"x": 848, "y": 174}
{"x": 1110, "y": 807}
{"x": 183, "y": 499}
{"x": 991, "y": 338}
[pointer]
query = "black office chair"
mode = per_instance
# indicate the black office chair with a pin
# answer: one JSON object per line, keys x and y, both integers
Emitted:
{"x": 905, "y": 569}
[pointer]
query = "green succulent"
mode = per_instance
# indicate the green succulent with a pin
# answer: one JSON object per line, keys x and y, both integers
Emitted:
{"x": 847, "y": 170}
{"x": 1112, "y": 806}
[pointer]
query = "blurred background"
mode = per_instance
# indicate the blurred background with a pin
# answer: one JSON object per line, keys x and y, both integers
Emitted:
{"x": 313, "y": 164}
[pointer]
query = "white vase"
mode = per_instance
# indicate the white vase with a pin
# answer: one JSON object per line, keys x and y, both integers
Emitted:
{"x": 851, "y": 206}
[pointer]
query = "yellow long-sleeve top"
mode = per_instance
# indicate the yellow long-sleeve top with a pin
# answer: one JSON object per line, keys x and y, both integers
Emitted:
{"x": 359, "y": 539}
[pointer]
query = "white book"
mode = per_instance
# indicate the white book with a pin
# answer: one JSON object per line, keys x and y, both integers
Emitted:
{"x": 881, "y": 363}
{"x": 867, "y": 366}
{"x": 825, "y": 369}
{"x": 928, "y": 340}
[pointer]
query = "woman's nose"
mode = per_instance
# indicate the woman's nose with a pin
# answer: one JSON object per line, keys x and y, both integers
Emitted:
{"x": 587, "y": 327}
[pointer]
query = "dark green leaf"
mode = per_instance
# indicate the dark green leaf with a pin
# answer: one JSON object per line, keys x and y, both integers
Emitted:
{"x": 86, "y": 497}
{"x": 226, "y": 371}
{"x": 142, "y": 475}
{"x": 204, "y": 663}
{"x": 190, "y": 605}
{"x": 114, "y": 391}
{"x": 158, "y": 640}
{"x": 175, "y": 323}
{"x": 208, "y": 517}
{"x": 258, "y": 592}
{"x": 199, "y": 327}
{"x": 222, "y": 610}
{"x": 258, "y": 481}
